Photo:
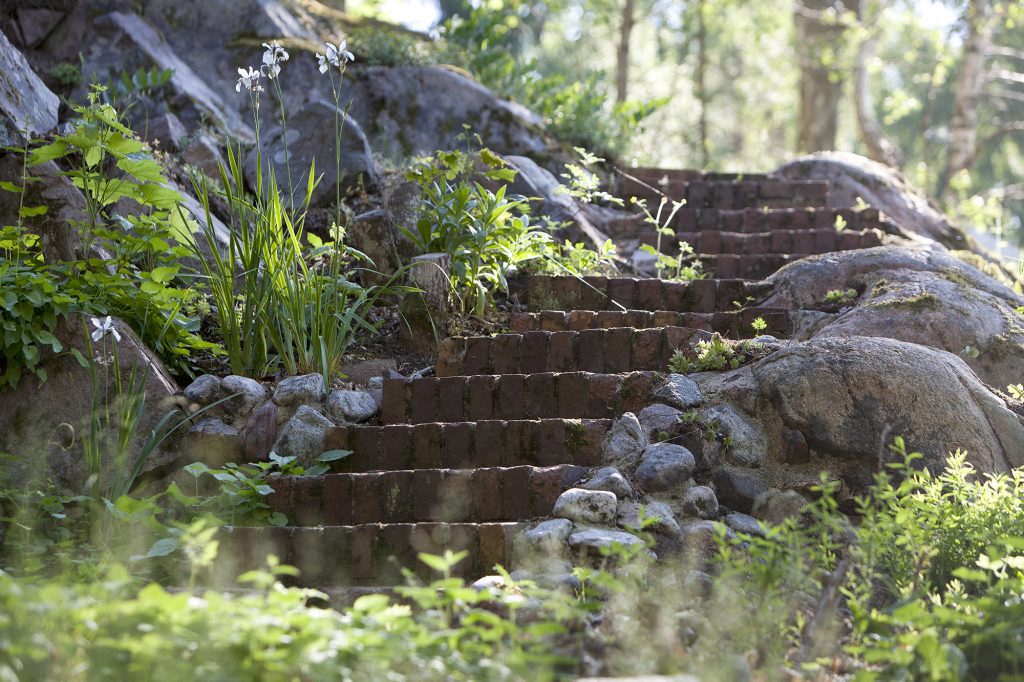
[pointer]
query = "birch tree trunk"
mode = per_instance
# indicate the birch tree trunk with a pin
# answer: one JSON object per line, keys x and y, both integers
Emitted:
{"x": 879, "y": 147}
{"x": 963, "y": 137}
{"x": 622, "y": 54}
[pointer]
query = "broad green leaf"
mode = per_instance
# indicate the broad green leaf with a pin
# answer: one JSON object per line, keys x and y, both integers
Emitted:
{"x": 32, "y": 211}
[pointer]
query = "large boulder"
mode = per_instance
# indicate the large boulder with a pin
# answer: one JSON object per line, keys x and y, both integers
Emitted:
{"x": 411, "y": 110}
{"x": 26, "y": 104}
{"x": 852, "y": 177}
{"x": 849, "y": 397}
{"x": 922, "y": 295}
{"x": 43, "y": 421}
{"x": 310, "y": 140}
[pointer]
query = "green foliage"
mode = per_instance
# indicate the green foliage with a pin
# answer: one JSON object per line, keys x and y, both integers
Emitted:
{"x": 381, "y": 46}
{"x": 575, "y": 259}
{"x": 759, "y": 325}
{"x": 486, "y": 233}
{"x": 681, "y": 267}
{"x": 485, "y": 43}
{"x": 715, "y": 354}
{"x": 66, "y": 74}
{"x": 841, "y": 296}
{"x": 126, "y": 88}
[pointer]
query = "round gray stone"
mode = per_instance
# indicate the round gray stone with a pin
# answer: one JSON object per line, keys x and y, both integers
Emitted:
{"x": 586, "y": 506}
{"x": 304, "y": 389}
{"x": 700, "y": 501}
{"x": 352, "y": 406}
{"x": 664, "y": 466}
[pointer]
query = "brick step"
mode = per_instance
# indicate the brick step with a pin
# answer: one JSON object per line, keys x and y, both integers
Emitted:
{"x": 748, "y": 267}
{"x": 411, "y": 496}
{"x": 653, "y": 176}
{"x": 731, "y": 324}
{"x": 569, "y": 395}
{"x": 602, "y": 351}
{"x": 553, "y": 292}
{"x": 793, "y": 242}
{"x": 466, "y": 445}
{"x": 732, "y": 194}
{"x": 367, "y": 555}
{"x": 753, "y": 220}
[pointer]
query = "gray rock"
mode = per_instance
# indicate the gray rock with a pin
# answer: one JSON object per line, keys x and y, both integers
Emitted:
{"x": 375, "y": 383}
{"x": 659, "y": 418}
{"x": 375, "y": 234}
{"x": 610, "y": 479}
{"x": 630, "y": 513}
{"x": 586, "y": 506}
{"x": 549, "y": 537}
{"x": 304, "y": 436}
{"x": 776, "y": 506}
{"x": 702, "y": 536}
{"x": 352, "y": 406}
{"x": 311, "y": 138}
{"x": 304, "y": 389}
{"x": 124, "y": 33}
{"x": 624, "y": 441}
{"x": 738, "y": 489}
{"x": 65, "y": 204}
{"x": 595, "y": 539}
{"x": 698, "y": 583}
{"x": 749, "y": 444}
{"x": 213, "y": 442}
{"x": 24, "y": 99}
{"x": 167, "y": 130}
{"x": 36, "y": 24}
{"x": 664, "y": 466}
{"x": 251, "y": 394}
{"x": 680, "y": 392}
{"x": 41, "y": 420}
{"x": 260, "y": 432}
{"x": 410, "y": 110}
{"x": 203, "y": 152}
{"x": 205, "y": 389}
{"x": 700, "y": 501}
{"x": 743, "y": 523}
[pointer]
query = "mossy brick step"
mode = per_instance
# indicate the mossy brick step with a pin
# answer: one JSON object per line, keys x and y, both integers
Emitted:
{"x": 602, "y": 351}
{"x": 733, "y": 194}
{"x": 567, "y": 395}
{"x": 748, "y": 267}
{"x": 754, "y": 220}
{"x": 732, "y": 323}
{"x": 467, "y": 445}
{"x": 554, "y": 292}
{"x": 796, "y": 242}
{"x": 415, "y": 495}
{"x": 365, "y": 554}
{"x": 654, "y": 176}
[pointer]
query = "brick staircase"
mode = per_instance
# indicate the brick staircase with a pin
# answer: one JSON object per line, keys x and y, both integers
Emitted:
{"x": 465, "y": 459}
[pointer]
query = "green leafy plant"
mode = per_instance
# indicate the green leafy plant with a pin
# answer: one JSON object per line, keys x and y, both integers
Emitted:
{"x": 683, "y": 266}
{"x": 714, "y": 354}
{"x": 486, "y": 233}
{"x": 759, "y": 325}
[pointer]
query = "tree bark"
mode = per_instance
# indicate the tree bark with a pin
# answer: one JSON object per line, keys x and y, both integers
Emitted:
{"x": 702, "y": 93}
{"x": 879, "y": 147}
{"x": 622, "y": 54}
{"x": 963, "y": 138}
{"x": 821, "y": 86}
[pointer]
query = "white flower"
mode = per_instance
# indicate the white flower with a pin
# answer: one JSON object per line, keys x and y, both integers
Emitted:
{"x": 250, "y": 80}
{"x": 335, "y": 55}
{"x": 273, "y": 58}
{"x": 103, "y": 328}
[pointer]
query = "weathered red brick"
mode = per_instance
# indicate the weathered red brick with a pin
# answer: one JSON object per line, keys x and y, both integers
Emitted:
{"x": 578, "y": 320}
{"x": 486, "y": 493}
{"x": 423, "y": 400}
{"x": 533, "y": 352}
{"x": 511, "y": 396}
{"x": 552, "y": 320}
{"x": 426, "y": 450}
{"x": 481, "y": 397}
{"x": 476, "y": 359}
{"x": 515, "y": 493}
{"x": 647, "y": 349}
{"x": 591, "y": 350}
{"x": 540, "y": 396}
{"x": 520, "y": 445}
{"x": 622, "y": 290}
{"x": 451, "y": 398}
{"x": 457, "y": 445}
{"x": 367, "y": 506}
{"x": 562, "y": 352}
{"x": 337, "y": 500}
{"x": 617, "y": 349}
{"x": 505, "y": 353}
{"x": 601, "y": 389}
{"x": 594, "y": 293}
{"x": 396, "y": 446}
{"x": 395, "y": 489}
{"x": 489, "y": 443}
{"x": 572, "y": 395}
{"x": 551, "y": 448}
{"x": 425, "y": 503}
{"x": 395, "y": 401}
{"x": 307, "y": 500}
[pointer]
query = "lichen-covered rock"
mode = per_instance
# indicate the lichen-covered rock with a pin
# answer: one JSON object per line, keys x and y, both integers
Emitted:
{"x": 251, "y": 394}
{"x": 352, "y": 406}
{"x": 853, "y": 178}
{"x": 596, "y": 539}
{"x": 610, "y": 479}
{"x": 744, "y": 523}
{"x": 659, "y": 418}
{"x": 586, "y": 506}
{"x": 260, "y": 432}
{"x": 700, "y": 501}
{"x": 680, "y": 391}
{"x": 304, "y": 436}
{"x": 664, "y": 466}
{"x": 657, "y": 516}
{"x": 922, "y": 295}
{"x": 304, "y": 389}
{"x": 748, "y": 445}
{"x": 549, "y": 537}
{"x": 213, "y": 442}
{"x": 624, "y": 441}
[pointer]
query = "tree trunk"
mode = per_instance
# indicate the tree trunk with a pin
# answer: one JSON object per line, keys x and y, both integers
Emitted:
{"x": 821, "y": 86}
{"x": 702, "y": 93}
{"x": 879, "y": 147}
{"x": 963, "y": 137}
{"x": 622, "y": 54}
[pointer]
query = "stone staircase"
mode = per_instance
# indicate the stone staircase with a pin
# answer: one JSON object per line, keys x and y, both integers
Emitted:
{"x": 465, "y": 459}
